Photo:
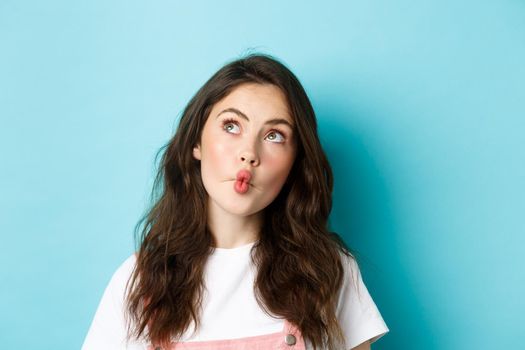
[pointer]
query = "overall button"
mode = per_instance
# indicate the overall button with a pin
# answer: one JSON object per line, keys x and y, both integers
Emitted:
{"x": 290, "y": 339}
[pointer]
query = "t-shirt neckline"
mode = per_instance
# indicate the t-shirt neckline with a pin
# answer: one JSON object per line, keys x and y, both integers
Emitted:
{"x": 236, "y": 250}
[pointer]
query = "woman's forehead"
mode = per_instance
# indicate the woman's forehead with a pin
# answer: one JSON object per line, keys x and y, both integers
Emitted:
{"x": 255, "y": 100}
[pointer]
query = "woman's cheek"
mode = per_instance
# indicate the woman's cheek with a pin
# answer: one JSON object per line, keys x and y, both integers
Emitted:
{"x": 280, "y": 168}
{"x": 221, "y": 153}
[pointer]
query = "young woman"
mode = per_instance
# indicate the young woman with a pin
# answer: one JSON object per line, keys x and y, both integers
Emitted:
{"x": 235, "y": 252}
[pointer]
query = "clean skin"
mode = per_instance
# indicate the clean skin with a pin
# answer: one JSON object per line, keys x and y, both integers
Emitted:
{"x": 252, "y": 129}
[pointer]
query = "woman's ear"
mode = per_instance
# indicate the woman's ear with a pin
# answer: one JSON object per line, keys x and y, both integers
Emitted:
{"x": 197, "y": 152}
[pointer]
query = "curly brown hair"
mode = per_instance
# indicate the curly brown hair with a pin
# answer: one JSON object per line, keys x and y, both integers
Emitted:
{"x": 299, "y": 261}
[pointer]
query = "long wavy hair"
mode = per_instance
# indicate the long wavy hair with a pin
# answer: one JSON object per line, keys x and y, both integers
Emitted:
{"x": 299, "y": 261}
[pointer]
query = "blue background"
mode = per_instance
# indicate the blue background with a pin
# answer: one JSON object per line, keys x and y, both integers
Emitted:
{"x": 421, "y": 112}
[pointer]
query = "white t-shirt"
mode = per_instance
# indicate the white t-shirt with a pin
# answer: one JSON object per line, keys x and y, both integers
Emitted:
{"x": 229, "y": 308}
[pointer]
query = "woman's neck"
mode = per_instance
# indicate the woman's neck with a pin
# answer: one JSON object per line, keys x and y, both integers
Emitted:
{"x": 230, "y": 230}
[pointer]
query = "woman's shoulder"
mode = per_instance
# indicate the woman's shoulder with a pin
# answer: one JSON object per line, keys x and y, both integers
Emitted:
{"x": 107, "y": 330}
{"x": 128, "y": 264}
{"x": 353, "y": 283}
{"x": 357, "y": 312}
{"x": 350, "y": 265}
{"x": 121, "y": 274}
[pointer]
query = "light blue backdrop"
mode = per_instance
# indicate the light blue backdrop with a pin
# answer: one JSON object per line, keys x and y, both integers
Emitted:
{"x": 421, "y": 111}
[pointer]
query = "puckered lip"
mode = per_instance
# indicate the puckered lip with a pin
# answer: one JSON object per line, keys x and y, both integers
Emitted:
{"x": 244, "y": 174}
{"x": 249, "y": 183}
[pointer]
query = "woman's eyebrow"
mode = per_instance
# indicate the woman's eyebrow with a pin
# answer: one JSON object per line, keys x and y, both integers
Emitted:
{"x": 273, "y": 121}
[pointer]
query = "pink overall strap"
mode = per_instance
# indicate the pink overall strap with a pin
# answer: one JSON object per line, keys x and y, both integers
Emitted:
{"x": 289, "y": 338}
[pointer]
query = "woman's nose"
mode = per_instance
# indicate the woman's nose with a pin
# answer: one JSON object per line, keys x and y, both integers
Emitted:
{"x": 249, "y": 157}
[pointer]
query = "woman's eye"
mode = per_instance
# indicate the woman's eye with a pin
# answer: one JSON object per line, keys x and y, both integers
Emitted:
{"x": 276, "y": 133}
{"x": 228, "y": 125}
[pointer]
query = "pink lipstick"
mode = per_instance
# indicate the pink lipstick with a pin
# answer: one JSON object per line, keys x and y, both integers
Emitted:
{"x": 242, "y": 183}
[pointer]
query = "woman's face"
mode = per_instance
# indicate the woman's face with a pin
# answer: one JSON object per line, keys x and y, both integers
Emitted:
{"x": 251, "y": 129}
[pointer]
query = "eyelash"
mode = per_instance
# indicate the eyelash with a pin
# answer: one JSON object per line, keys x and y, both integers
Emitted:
{"x": 233, "y": 121}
